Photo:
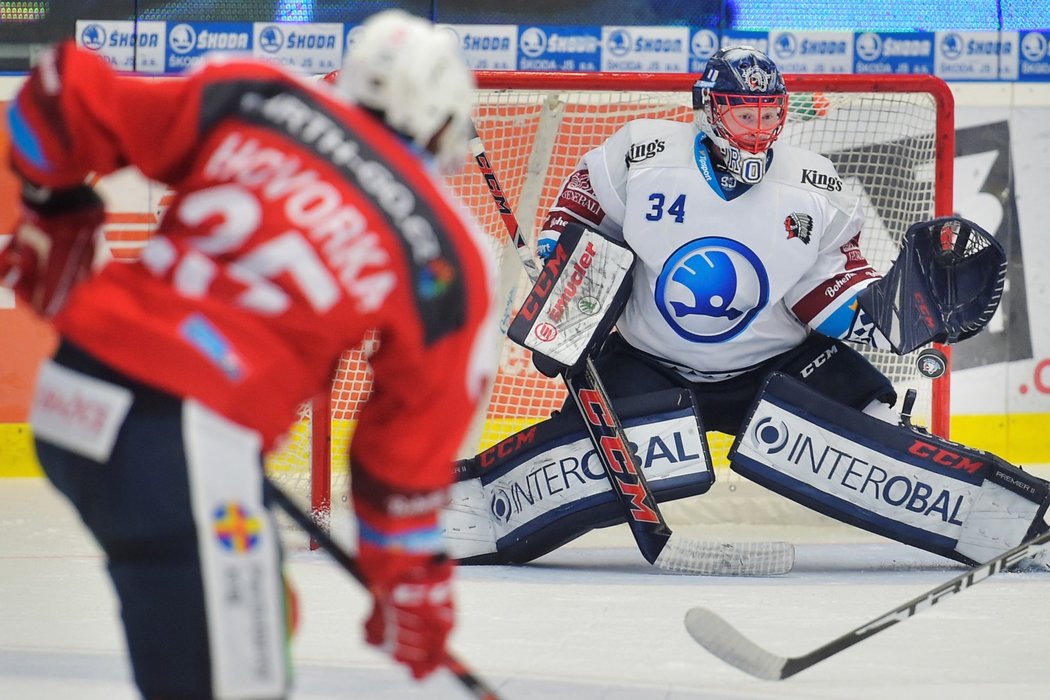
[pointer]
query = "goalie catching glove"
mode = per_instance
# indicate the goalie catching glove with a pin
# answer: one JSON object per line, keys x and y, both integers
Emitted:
{"x": 944, "y": 286}
{"x": 53, "y": 245}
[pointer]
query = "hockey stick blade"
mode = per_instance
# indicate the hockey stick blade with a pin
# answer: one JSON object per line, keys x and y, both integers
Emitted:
{"x": 729, "y": 644}
{"x": 725, "y": 558}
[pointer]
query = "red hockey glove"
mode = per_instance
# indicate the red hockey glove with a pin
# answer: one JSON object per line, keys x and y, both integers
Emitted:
{"x": 53, "y": 245}
{"x": 413, "y": 610}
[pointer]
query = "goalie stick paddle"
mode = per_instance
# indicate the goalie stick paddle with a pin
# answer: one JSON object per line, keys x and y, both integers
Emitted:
{"x": 729, "y": 644}
{"x": 660, "y": 547}
{"x": 279, "y": 498}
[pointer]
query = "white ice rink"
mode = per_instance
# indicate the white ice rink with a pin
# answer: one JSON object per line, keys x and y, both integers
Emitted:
{"x": 590, "y": 622}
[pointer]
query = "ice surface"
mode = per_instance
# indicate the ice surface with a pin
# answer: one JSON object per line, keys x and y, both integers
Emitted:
{"x": 592, "y": 621}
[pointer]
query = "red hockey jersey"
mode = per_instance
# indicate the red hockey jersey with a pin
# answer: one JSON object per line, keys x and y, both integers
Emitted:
{"x": 298, "y": 224}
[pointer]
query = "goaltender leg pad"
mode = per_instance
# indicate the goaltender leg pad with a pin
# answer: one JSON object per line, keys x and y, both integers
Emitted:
{"x": 910, "y": 486}
{"x": 545, "y": 486}
{"x": 575, "y": 301}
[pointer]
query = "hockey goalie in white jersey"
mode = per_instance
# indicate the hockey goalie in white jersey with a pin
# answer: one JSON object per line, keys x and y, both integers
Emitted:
{"x": 748, "y": 277}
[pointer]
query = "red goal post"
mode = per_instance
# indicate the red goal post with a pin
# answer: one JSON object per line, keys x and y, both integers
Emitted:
{"x": 891, "y": 138}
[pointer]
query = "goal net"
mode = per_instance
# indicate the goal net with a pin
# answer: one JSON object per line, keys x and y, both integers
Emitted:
{"x": 891, "y": 139}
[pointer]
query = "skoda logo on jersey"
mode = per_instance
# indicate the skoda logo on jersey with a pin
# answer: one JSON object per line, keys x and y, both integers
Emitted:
{"x": 952, "y": 46}
{"x": 704, "y": 44}
{"x": 769, "y": 436}
{"x": 711, "y": 289}
{"x": 1033, "y": 47}
{"x": 619, "y": 42}
{"x": 271, "y": 39}
{"x": 869, "y": 46}
{"x": 785, "y": 46}
{"x": 93, "y": 37}
{"x": 182, "y": 38}
{"x": 533, "y": 42}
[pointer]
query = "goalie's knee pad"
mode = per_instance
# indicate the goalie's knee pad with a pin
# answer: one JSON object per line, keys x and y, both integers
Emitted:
{"x": 913, "y": 487}
{"x": 545, "y": 486}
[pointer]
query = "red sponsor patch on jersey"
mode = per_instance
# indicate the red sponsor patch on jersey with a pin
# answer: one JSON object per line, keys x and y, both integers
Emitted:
{"x": 854, "y": 256}
{"x": 555, "y": 221}
{"x": 578, "y": 199}
{"x": 829, "y": 292}
{"x": 580, "y": 180}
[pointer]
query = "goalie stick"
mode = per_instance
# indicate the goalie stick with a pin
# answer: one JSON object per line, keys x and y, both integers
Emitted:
{"x": 727, "y": 643}
{"x": 318, "y": 534}
{"x": 657, "y": 543}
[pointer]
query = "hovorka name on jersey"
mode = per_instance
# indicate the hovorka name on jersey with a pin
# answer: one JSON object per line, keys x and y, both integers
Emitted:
{"x": 346, "y": 238}
{"x": 643, "y": 151}
{"x": 396, "y": 200}
{"x": 821, "y": 180}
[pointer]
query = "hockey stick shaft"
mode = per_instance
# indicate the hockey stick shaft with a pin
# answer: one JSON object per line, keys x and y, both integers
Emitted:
{"x": 279, "y": 498}
{"x": 622, "y": 466}
{"x": 729, "y": 644}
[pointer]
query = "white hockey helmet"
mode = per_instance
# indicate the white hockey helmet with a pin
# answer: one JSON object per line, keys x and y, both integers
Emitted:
{"x": 412, "y": 74}
{"x": 741, "y": 106}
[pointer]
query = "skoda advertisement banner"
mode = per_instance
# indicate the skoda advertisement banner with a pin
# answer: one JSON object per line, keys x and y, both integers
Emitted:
{"x": 305, "y": 48}
{"x": 1035, "y": 55}
{"x": 812, "y": 52}
{"x": 559, "y": 48}
{"x": 893, "y": 52}
{"x": 759, "y": 40}
{"x": 645, "y": 49}
{"x": 702, "y": 45}
{"x": 976, "y": 55}
{"x": 487, "y": 46}
{"x": 189, "y": 42}
{"x": 127, "y": 46}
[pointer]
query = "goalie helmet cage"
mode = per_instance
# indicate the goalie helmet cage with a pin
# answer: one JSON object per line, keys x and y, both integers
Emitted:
{"x": 890, "y": 137}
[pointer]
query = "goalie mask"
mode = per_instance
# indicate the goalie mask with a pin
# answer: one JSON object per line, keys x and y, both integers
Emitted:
{"x": 741, "y": 106}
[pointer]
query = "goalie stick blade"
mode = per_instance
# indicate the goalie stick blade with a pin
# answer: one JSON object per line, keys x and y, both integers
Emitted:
{"x": 726, "y": 558}
{"x": 727, "y": 643}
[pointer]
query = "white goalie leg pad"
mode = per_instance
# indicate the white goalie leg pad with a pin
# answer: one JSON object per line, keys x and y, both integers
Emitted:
{"x": 910, "y": 486}
{"x": 545, "y": 485}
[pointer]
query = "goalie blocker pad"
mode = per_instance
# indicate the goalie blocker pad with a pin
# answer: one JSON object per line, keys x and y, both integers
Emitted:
{"x": 910, "y": 486}
{"x": 545, "y": 486}
{"x": 575, "y": 301}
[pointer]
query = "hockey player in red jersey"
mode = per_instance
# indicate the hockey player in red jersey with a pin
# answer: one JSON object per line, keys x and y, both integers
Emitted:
{"x": 304, "y": 216}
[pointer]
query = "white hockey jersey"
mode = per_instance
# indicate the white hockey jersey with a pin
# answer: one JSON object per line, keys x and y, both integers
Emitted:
{"x": 725, "y": 279}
